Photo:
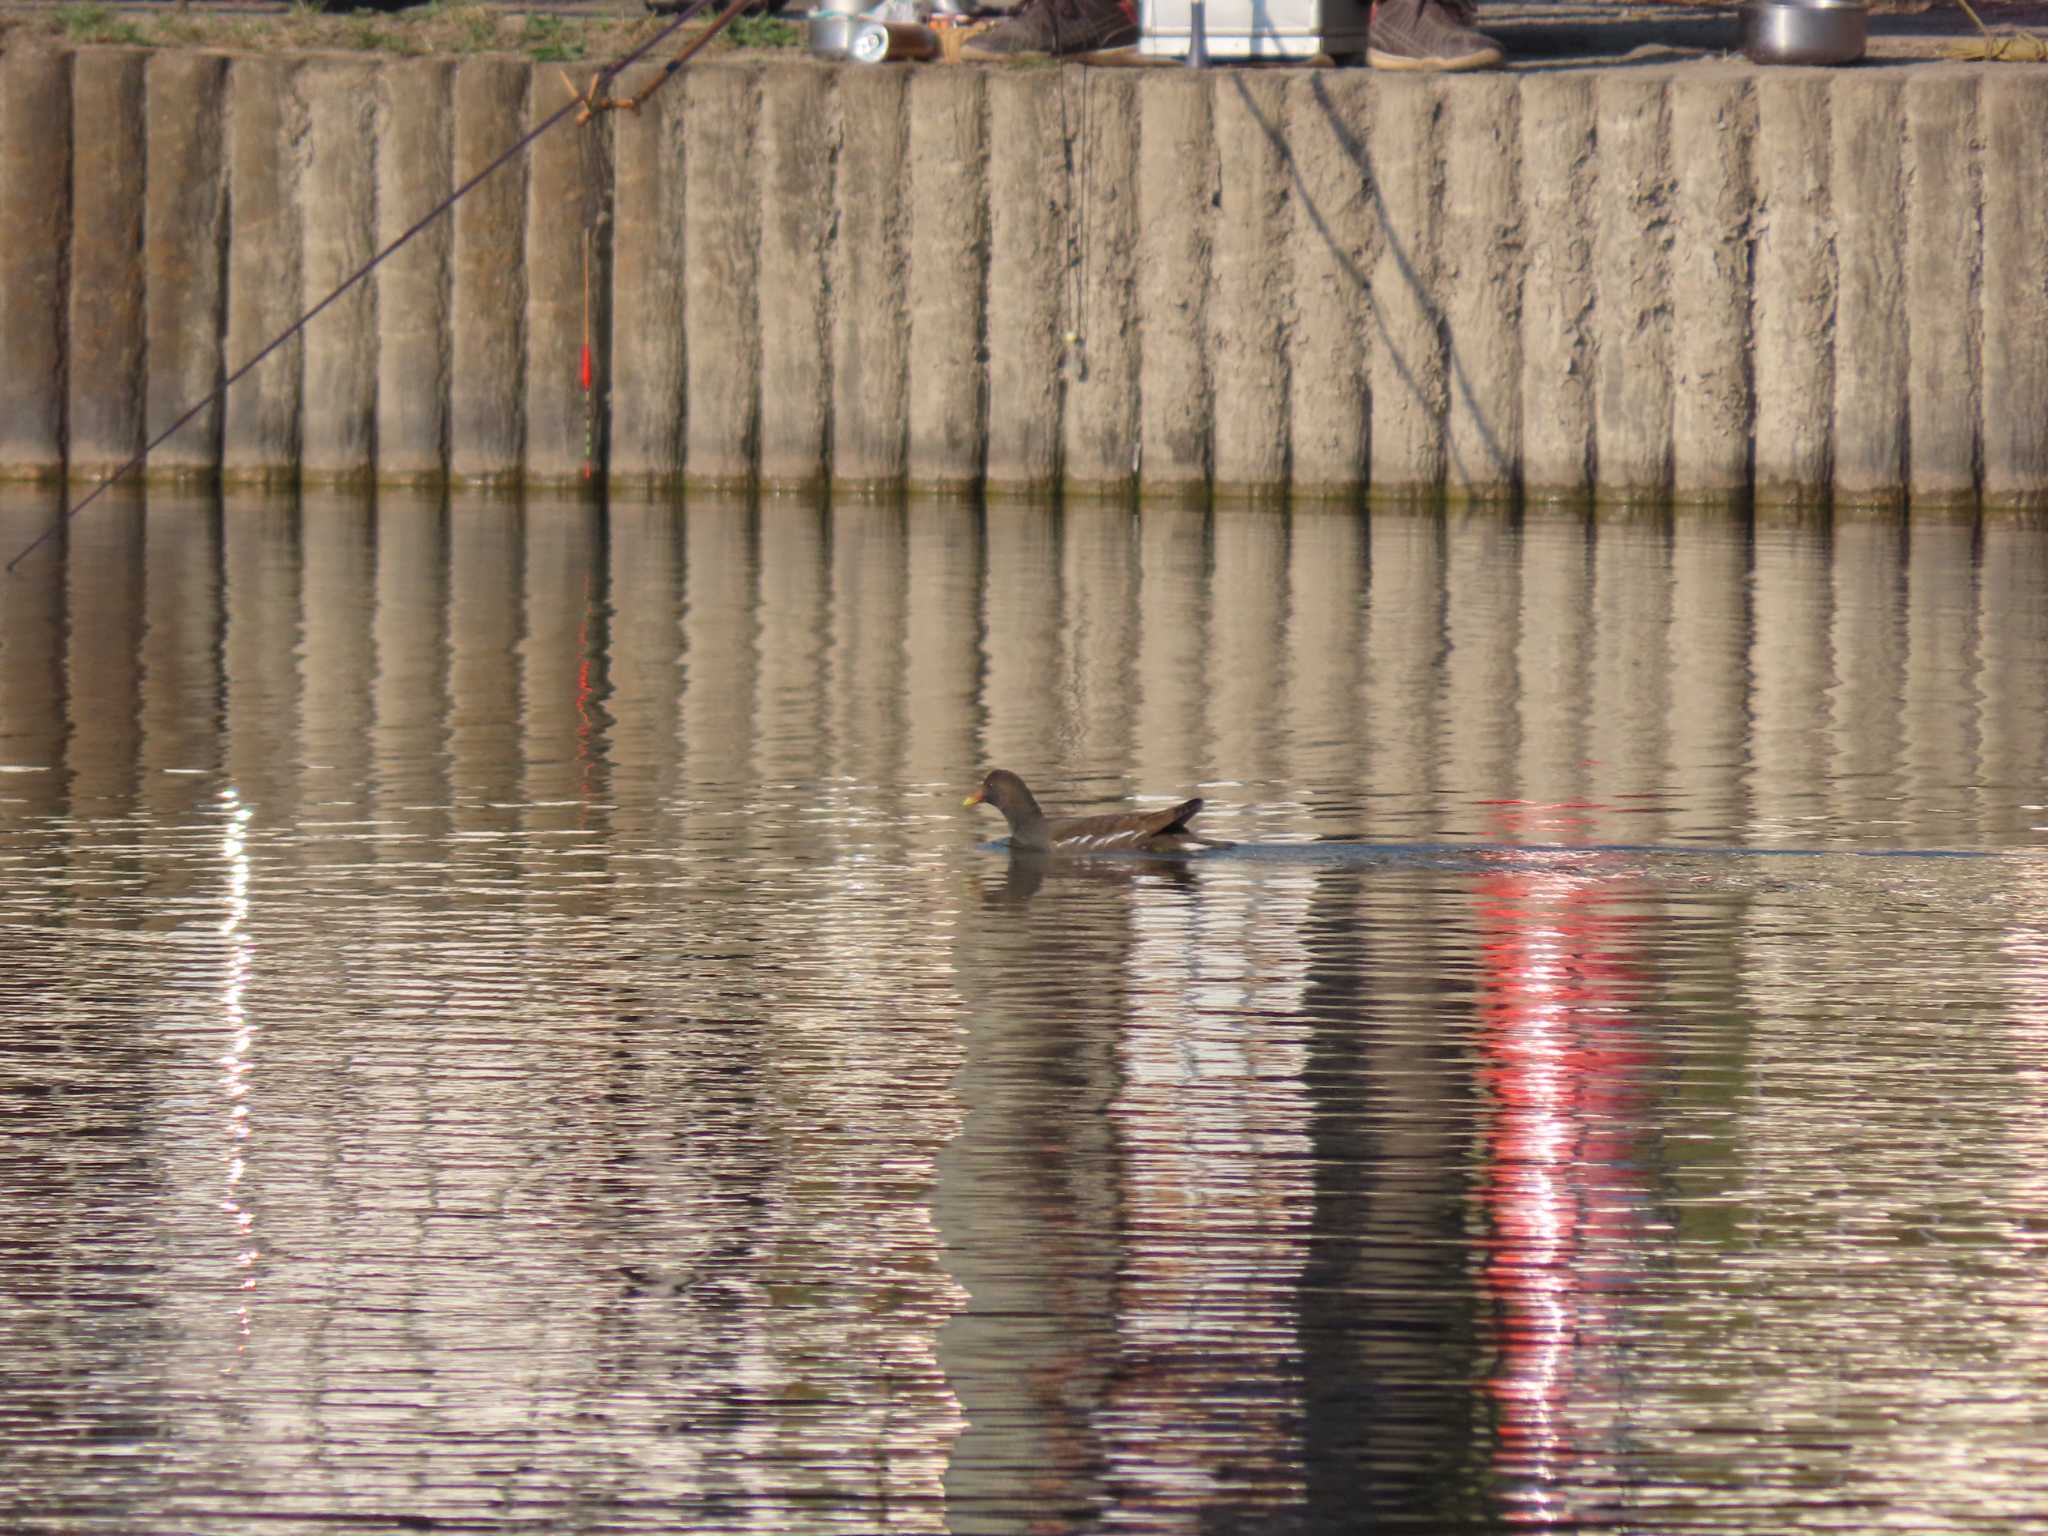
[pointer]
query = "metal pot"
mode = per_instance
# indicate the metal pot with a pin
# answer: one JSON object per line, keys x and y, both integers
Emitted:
{"x": 833, "y": 32}
{"x": 1804, "y": 31}
{"x": 836, "y": 34}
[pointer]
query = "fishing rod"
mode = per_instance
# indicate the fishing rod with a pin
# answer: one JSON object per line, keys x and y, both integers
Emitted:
{"x": 585, "y": 104}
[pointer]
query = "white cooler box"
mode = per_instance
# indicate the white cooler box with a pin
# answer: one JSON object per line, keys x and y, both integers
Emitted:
{"x": 1255, "y": 29}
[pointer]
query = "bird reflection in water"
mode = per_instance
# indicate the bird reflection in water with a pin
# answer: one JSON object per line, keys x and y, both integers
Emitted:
{"x": 1024, "y": 874}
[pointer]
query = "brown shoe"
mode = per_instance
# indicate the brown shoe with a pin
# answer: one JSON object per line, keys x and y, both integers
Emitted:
{"x": 1428, "y": 34}
{"x": 1056, "y": 27}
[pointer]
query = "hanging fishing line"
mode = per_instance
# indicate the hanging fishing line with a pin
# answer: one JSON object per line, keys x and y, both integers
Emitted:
{"x": 583, "y": 104}
{"x": 597, "y": 178}
{"x": 1074, "y": 211}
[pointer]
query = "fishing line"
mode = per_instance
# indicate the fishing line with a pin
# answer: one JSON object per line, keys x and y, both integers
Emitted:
{"x": 584, "y": 105}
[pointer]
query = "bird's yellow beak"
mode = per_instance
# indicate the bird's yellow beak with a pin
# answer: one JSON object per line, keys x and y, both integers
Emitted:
{"x": 973, "y": 799}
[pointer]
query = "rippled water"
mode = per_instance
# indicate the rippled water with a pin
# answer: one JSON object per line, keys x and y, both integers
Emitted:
{"x": 507, "y": 1026}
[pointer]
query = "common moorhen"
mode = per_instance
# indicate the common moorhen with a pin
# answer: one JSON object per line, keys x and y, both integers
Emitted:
{"x": 1032, "y": 831}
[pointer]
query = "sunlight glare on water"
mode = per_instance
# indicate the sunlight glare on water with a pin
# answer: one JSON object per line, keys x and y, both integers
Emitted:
{"x": 508, "y": 1027}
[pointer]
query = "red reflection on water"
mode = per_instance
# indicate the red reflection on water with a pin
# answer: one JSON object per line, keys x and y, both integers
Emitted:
{"x": 586, "y": 759}
{"x": 1565, "y": 1185}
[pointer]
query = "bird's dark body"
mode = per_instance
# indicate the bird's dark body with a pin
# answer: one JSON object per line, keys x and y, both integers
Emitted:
{"x": 1156, "y": 830}
{"x": 1032, "y": 831}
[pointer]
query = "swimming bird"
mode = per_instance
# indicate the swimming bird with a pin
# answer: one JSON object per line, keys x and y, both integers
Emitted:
{"x": 1032, "y": 831}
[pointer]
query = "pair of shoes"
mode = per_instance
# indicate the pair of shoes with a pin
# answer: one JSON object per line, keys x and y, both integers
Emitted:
{"x": 1058, "y": 28}
{"x": 1428, "y": 34}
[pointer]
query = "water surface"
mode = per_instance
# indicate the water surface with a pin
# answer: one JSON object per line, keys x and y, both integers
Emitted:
{"x": 505, "y": 1025}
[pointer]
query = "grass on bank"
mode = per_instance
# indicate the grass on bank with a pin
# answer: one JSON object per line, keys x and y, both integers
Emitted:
{"x": 96, "y": 24}
{"x": 443, "y": 27}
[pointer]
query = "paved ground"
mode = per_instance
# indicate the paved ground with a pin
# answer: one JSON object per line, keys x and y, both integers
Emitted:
{"x": 1578, "y": 32}
{"x": 1537, "y": 35}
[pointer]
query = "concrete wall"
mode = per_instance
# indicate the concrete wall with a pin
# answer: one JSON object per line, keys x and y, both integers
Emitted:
{"x": 1698, "y": 279}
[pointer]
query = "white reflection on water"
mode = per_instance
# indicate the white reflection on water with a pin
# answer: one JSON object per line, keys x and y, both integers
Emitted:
{"x": 1213, "y": 1116}
{"x": 238, "y": 1063}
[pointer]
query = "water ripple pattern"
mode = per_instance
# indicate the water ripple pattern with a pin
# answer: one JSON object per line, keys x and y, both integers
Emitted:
{"x": 505, "y": 1025}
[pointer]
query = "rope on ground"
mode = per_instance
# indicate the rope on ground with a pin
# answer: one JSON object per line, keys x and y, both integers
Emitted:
{"x": 1998, "y": 47}
{"x": 585, "y": 104}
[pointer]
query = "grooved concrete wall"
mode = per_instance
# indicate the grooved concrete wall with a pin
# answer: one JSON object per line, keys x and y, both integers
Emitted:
{"x": 1699, "y": 279}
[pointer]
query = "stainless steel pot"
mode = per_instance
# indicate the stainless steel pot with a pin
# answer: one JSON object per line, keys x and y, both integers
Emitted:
{"x": 1804, "y": 31}
{"x": 837, "y": 34}
{"x": 833, "y": 32}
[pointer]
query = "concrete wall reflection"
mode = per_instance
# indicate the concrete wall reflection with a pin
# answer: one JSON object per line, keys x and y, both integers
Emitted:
{"x": 1111, "y": 1150}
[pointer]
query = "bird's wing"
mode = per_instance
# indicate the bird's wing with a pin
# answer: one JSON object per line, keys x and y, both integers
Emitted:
{"x": 1122, "y": 831}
